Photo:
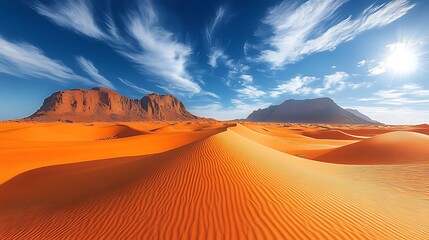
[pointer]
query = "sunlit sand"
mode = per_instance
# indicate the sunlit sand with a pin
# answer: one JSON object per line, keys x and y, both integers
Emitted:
{"x": 213, "y": 180}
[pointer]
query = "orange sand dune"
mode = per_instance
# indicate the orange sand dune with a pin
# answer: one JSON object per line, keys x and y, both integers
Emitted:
{"x": 332, "y": 134}
{"x": 175, "y": 128}
{"x": 422, "y": 128}
{"x": 370, "y": 131}
{"x": 216, "y": 183}
{"x": 278, "y": 130}
{"x": 22, "y": 155}
{"x": 291, "y": 143}
{"x": 310, "y": 130}
{"x": 389, "y": 148}
{"x": 75, "y": 132}
{"x": 188, "y": 127}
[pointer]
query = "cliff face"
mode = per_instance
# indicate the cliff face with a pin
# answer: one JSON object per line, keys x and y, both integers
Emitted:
{"x": 319, "y": 110}
{"x": 164, "y": 107}
{"x": 102, "y": 104}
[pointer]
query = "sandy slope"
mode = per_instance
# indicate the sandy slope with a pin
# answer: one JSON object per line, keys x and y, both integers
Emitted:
{"x": 288, "y": 141}
{"x": 333, "y": 134}
{"x": 390, "y": 148}
{"x": 45, "y": 149}
{"x": 216, "y": 185}
{"x": 75, "y": 132}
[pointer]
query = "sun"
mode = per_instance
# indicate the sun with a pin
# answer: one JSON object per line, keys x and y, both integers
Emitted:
{"x": 402, "y": 58}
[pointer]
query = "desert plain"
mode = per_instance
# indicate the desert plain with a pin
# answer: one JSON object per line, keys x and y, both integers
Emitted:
{"x": 213, "y": 180}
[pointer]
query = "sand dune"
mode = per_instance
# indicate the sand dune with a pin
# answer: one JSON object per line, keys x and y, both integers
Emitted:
{"x": 288, "y": 142}
{"x": 213, "y": 183}
{"x": 421, "y": 128}
{"x": 76, "y": 132}
{"x": 333, "y": 134}
{"x": 175, "y": 128}
{"x": 18, "y": 156}
{"x": 389, "y": 148}
{"x": 369, "y": 132}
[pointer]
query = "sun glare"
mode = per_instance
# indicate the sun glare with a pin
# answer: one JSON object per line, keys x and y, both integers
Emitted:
{"x": 402, "y": 58}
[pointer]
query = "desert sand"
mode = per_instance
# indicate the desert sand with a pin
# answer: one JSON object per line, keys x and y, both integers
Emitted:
{"x": 213, "y": 180}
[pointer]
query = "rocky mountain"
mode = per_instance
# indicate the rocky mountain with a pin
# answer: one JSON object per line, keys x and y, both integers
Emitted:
{"x": 319, "y": 110}
{"x": 103, "y": 104}
{"x": 361, "y": 115}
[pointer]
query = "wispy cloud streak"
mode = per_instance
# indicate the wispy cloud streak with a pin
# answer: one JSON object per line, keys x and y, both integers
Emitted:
{"x": 92, "y": 71}
{"x": 26, "y": 60}
{"x": 216, "y": 54}
{"x": 144, "y": 41}
{"x": 214, "y": 24}
{"x": 294, "y": 27}
{"x": 77, "y": 15}
{"x": 158, "y": 52}
{"x": 133, "y": 86}
{"x": 407, "y": 94}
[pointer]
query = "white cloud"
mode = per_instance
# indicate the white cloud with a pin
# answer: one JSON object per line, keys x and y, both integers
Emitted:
{"x": 337, "y": 82}
{"x": 335, "y": 79}
{"x": 76, "y": 15}
{"x": 389, "y": 93}
{"x": 361, "y": 63}
{"x": 152, "y": 49}
{"x": 250, "y": 92}
{"x": 211, "y": 94}
{"x": 416, "y": 90}
{"x": 217, "y": 20}
{"x": 294, "y": 27}
{"x": 25, "y": 60}
{"x": 238, "y": 109}
{"x": 377, "y": 69}
{"x": 404, "y": 54}
{"x": 403, "y": 101}
{"x": 133, "y": 86}
{"x": 92, "y": 71}
{"x": 297, "y": 85}
{"x": 409, "y": 94}
{"x": 334, "y": 67}
{"x": 374, "y": 67}
{"x": 245, "y": 47}
{"x": 412, "y": 86}
{"x": 215, "y": 55}
{"x": 359, "y": 85}
{"x": 331, "y": 83}
{"x": 112, "y": 29}
{"x": 247, "y": 78}
{"x": 158, "y": 52}
{"x": 236, "y": 67}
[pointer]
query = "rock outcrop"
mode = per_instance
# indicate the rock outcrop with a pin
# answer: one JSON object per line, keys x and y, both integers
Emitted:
{"x": 106, "y": 105}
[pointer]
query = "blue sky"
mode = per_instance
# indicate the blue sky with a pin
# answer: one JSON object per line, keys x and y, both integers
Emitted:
{"x": 223, "y": 59}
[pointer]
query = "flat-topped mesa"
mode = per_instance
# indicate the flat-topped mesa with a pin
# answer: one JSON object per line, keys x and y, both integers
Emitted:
{"x": 105, "y": 105}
